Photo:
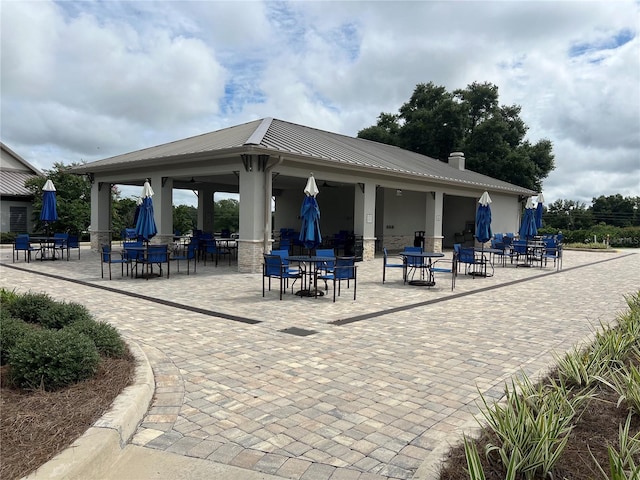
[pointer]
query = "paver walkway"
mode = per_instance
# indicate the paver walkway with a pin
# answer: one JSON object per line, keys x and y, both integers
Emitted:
{"x": 376, "y": 389}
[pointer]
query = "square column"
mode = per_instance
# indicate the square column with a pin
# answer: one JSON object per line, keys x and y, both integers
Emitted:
{"x": 252, "y": 208}
{"x": 433, "y": 222}
{"x": 364, "y": 214}
{"x": 206, "y": 205}
{"x": 163, "y": 208}
{"x": 100, "y": 230}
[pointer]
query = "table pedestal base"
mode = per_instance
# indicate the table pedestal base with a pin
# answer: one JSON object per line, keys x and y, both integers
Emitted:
{"x": 422, "y": 283}
{"x": 309, "y": 293}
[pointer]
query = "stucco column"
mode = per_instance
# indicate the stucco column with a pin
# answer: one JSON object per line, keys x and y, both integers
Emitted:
{"x": 100, "y": 231}
{"x": 251, "y": 235}
{"x": 163, "y": 208}
{"x": 433, "y": 222}
{"x": 364, "y": 214}
{"x": 205, "y": 208}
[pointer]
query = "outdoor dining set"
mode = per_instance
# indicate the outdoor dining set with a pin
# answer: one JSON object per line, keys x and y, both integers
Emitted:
{"x": 133, "y": 254}
{"x": 45, "y": 247}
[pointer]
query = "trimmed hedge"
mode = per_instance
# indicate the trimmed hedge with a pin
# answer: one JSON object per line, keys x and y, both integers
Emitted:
{"x": 52, "y": 359}
{"x": 49, "y": 344}
{"x": 105, "y": 337}
{"x": 30, "y": 307}
{"x": 62, "y": 314}
{"x": 11, "y": 331}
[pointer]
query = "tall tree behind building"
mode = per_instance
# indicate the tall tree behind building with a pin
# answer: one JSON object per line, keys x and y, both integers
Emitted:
{"x": 435, "y": 122}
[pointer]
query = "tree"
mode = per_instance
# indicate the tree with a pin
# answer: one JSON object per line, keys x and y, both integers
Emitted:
{"x": 73, "y": 196}
{"x": 123, "y": 212}
{"x": 185, "y": 218}
{"x": 567, "y": 215}
{"x": 226, "y": 215}
{"x": 616, "y": 210}
{"x": 435, "y": 122}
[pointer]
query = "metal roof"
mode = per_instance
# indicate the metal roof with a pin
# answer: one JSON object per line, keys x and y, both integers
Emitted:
{"x": 293, "y": 141}
{"x": 12, "y": 183}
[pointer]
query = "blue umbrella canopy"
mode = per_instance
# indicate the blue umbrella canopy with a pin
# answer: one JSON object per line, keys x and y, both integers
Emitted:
{"x": 49, "y": 212}
{"x": 146, "y": 224}
{"x": 539, "y": 211}
{"x": 310, "y": 214}
{"x": 483, "y": 219}
{"x": 136, "y": 214}
{"x": 528, "y": 227}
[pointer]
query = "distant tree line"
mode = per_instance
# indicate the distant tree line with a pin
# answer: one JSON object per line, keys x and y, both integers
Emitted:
{"x": 614, "y": 210}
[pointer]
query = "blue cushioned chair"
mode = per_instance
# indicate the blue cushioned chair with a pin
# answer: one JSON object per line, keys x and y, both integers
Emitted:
{"x": 156, "y": 255}
{"x": 22, "y": 244}
{"x": 108, "y": 256}
{"x": 344, "y": 269}
{"x": 73, "y": 242}
{"x": 60, "y": 242}
{"x": 411, "y": 263}
{"x": 443, "y": 265}
{"x": 273, "y": 267}
{"x": 386, "y": 264}
{"x": 189, "y": 254}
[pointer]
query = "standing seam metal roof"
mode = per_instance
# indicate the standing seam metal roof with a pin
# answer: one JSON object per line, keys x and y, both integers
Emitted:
{"x": 290, "y": 138}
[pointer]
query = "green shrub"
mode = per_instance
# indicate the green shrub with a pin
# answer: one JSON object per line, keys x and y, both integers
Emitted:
{"x": 52, "y": 359}
{"x": 105, "y": 337}
{"x": 8, "y": 237}
{"x": 7, "y": 297}
{"x": 61, "y": 314}
{"x": 11, "y": 330}
{"x": 30, "y": 307}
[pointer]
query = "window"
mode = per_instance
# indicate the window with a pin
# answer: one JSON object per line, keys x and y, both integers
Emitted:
{"x": 18, "y": 219}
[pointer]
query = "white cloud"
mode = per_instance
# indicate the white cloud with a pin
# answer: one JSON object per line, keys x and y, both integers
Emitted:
{"x": 86, "y": 80}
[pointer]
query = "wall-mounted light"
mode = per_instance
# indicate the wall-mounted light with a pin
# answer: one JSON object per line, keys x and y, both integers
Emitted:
{"x": 398, "y": 193}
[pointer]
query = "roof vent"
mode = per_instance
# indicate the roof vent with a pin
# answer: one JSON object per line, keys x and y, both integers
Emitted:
{"x": 456, "y": 160}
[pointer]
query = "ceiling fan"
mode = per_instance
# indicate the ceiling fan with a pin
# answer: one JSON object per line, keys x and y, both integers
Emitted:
{"x": 326, "y": 184}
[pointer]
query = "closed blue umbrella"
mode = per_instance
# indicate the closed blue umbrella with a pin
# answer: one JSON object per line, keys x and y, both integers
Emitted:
{"x": 310, "y": 214}
{"x": 483, "y": 219}
{"x": 49, "y": 212}
{"x": 483, "y": 226}
{"x": 539, "y": 211}
{"x": 528, "y": 227}
{"x": 146, "y": 224}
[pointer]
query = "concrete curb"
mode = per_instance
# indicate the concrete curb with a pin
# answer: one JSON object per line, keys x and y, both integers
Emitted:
{"x": 95, "y": 452}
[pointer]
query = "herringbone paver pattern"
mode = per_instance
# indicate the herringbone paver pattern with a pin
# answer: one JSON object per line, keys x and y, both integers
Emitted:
{"x": 366, "y": 400}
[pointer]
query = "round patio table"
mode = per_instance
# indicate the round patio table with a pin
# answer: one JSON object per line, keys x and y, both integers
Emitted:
{"x": 311, "y": 273}
{"x": 424, "y": 281}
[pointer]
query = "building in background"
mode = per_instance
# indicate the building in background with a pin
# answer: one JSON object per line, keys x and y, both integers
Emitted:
{"x": 15, "y": 200}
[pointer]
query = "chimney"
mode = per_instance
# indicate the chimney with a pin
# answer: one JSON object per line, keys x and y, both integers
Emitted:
{"x": 456, "y": 160}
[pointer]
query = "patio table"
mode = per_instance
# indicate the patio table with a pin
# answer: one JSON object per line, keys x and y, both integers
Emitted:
{"x": 427, "y": 279}
{"x": 141, "y": 256}
{"x": 47, "y": 247}
{"x": 309, "y": 267}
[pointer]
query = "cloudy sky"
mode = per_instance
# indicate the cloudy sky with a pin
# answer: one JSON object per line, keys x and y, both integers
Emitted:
{"x": 86, "y": 80}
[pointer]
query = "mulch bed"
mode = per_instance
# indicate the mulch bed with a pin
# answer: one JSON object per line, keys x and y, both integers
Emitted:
{"x": 36, "y": 425}
{"x": 596, "y": 428}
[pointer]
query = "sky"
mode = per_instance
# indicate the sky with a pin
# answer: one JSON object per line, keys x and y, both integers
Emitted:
{"x": 81, "y": 81}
